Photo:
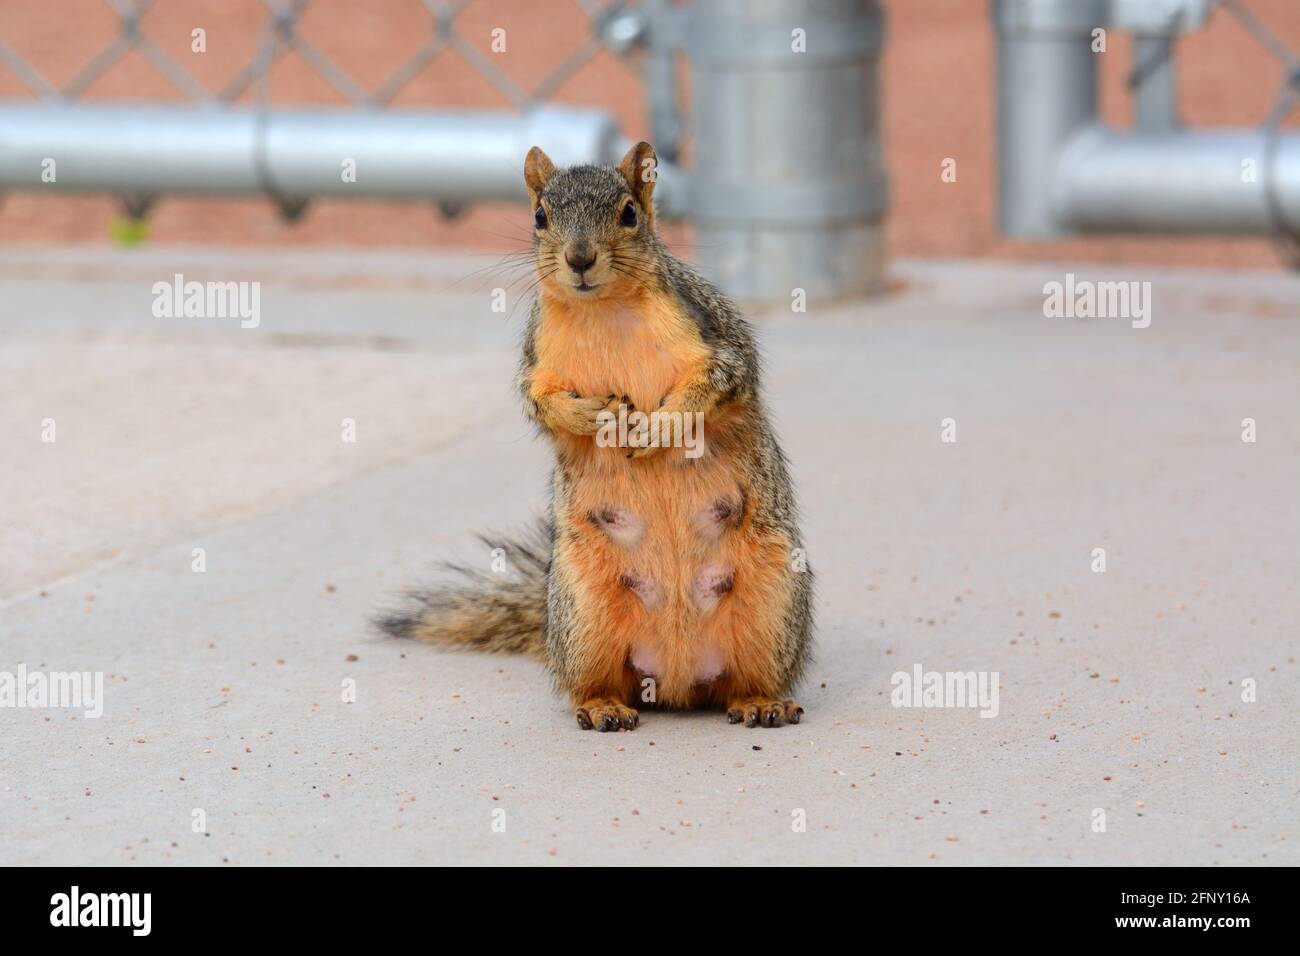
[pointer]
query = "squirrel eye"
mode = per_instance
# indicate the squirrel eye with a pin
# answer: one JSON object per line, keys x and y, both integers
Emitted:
{"x": 629, "y": 215}
{"x": 540, "y": 218}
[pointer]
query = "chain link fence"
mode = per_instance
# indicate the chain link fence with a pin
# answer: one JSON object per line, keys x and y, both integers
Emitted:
{"x": 619, "y": 28}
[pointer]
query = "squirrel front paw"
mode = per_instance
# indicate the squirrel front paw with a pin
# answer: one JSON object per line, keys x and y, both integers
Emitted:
{"x": 642, "y": 442}
{"x": 641, "y": 451}
{"x": 570, "y": 412}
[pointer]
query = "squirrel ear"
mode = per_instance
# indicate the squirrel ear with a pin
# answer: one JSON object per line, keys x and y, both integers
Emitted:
{"x": 638, "y": 168}
{"x": 537, "y": 170}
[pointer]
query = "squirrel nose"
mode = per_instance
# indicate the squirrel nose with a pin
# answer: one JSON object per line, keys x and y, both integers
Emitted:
{"x": 580, "y": 260}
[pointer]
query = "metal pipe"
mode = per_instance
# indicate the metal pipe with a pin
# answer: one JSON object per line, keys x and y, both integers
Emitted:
{"x": 447, "y": 156}
{"x": 789, "y": 189}
{"x": 1182, "y": 182}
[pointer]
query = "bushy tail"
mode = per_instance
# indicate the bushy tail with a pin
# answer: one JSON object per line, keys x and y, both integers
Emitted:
{"x": 495, "y": 613}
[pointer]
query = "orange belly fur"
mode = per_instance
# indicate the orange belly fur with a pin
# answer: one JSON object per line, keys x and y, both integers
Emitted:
{"x": 644, "y": 351}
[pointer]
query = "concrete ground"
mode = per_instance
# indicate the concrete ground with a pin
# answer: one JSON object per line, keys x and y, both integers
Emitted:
{"x": 1119, "y": 692}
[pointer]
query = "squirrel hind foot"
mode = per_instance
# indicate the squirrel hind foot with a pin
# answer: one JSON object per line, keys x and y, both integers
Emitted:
{"x": 605, "y": 714}
{"x": 763, "y": 712}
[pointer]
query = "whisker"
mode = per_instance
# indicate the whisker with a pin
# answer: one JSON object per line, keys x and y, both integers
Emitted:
{"x": 526, "y": 294}
{"x": 501, "y": 265}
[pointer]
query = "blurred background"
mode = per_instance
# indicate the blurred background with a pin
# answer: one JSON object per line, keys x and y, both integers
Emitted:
{"x": 937, "y": 97}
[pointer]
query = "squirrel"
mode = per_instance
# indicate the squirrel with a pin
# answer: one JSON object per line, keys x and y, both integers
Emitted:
{"x": 680, "y": 580}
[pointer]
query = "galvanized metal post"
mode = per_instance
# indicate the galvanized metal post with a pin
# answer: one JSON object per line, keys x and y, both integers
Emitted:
{"x": 789, "y": 189}
{"x": 1047, "y": 91}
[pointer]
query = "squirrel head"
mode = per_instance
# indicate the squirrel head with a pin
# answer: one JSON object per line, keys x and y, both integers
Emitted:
{"x": 593, "y": 226}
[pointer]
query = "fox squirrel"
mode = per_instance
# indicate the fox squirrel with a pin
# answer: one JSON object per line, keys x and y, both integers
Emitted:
{"x": 677, "y": 579}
